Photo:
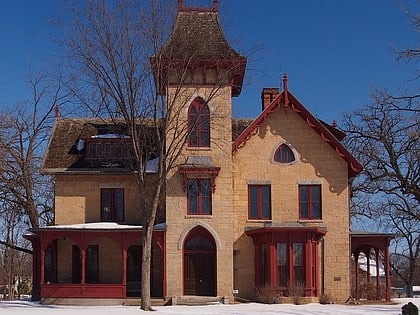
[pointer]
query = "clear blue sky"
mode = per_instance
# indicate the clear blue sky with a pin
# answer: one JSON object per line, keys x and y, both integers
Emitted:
{"x": 334, "y": 51}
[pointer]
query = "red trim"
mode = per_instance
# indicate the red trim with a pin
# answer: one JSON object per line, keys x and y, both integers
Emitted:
{"x": 309, "y": 237}
{"x": 199, "y": 172}
{"x": 42, "y": 237}
{"x": 354, "y": 167}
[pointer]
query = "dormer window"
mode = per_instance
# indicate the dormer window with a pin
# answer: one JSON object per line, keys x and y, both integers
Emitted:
{"x": 284, "y": 154}
{"x": 106, "y": 147}
{"x": 198, "y": 124}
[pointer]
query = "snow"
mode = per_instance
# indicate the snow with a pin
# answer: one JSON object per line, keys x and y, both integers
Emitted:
{"x": 372, "y": 266}
{"x": 109, "y": 136}
{"x": 34, "y": 308}
{"x": 95, "y": 225}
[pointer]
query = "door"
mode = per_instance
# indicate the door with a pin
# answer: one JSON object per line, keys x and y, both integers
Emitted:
{"x": 199, "y": 264}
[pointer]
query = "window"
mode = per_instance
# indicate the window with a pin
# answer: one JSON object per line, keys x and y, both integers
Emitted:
{"x": 310, "y": 202}
{"x": 199, "y": 124}
{"x": 298, "y": 264}
{"x": 106, "y": 149}
{"x": 91, "y": 264}
{"x": 112, "y": 204}
{"x": 259, "y": 202}
{"x": 199, "y": 196}
{"x": 282, "y": 271}
{"x": 284, "y": 154}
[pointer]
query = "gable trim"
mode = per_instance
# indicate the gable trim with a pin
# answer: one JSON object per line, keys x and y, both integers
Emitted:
{"x": 286, "y": 100}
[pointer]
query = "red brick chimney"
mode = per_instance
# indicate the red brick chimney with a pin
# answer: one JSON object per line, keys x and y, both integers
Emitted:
{"x": 268, "y": 95}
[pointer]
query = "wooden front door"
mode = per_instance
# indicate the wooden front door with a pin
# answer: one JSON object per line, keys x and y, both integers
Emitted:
{"x": 199, "y": 263}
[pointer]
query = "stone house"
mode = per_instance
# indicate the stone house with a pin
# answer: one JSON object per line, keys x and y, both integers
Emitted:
{"x": 253, "y": 202}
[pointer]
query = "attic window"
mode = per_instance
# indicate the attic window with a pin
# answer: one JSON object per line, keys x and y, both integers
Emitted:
{"x": 106, "y": 148}
{"x": 284, "y": 154}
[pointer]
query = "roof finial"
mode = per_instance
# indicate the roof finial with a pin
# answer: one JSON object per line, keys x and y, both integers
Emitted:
{"x": 215, "y": 5}
{"x": 57, "y": 111}
{"x": 180, "y": 4}
{"x": 334, "y": 123}
{"x": 286, "y": 96}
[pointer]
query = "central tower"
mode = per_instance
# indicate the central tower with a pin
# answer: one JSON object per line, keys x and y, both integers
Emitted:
{"x": 199, "y": 73}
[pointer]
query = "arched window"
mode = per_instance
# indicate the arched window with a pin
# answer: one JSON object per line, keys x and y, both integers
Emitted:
{"x": 199, "y": 124}
{"x": 284, "y": 154}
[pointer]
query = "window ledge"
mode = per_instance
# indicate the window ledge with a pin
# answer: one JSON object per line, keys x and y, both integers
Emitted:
{"x": 259, "y": 221}
{"x": 198, "y": 216}
{"x": 199, "y": 148}
{"x": 310, "y": 221}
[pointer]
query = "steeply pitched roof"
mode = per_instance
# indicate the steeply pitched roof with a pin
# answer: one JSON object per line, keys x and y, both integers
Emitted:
{"x": 66, "y": 149}
{"x": 197, "y": 41}
{"x": 285, "y": 100}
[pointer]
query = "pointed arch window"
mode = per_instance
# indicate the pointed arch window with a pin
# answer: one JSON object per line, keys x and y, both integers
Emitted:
{"x": 198, "y": 124}
{"x": 284, "y": 154}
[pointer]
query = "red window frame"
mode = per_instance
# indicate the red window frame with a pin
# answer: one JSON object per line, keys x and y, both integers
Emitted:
{"x": 115, "y": 214}
{"x": 259, "y": 203}
{"x": 198, "y": 124}
{"x": 199, "y": 201}
{"x": 310, "y": 202}
{"x": 284, "y": 154}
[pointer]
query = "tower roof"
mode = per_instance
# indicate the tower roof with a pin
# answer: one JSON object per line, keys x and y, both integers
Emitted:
{"x": 197, "y": 41}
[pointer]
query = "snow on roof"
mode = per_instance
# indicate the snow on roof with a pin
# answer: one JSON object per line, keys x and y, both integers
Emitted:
{"x": 152, "y": 166}
{"x": 95, "y": 225}
{"x": 109, "y": 136}
{"x": 102, "y": 226}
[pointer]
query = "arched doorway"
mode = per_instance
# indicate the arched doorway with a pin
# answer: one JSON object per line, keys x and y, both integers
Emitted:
{"x": 199, "y": 263}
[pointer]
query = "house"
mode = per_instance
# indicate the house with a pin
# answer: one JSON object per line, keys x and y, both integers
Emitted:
{"x": 253, "y": 202}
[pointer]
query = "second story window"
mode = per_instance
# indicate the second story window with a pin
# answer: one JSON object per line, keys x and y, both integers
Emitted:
{"x": 198, "y": 124}
{"x": 259, "y": 202}
{"x": 284, "y": 154}
{"x": 199, "y": 192}
{"x": 112, "y": 204}
{"x": 310, "y": 207}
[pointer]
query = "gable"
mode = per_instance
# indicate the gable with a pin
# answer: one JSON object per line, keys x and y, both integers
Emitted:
{"x": 286, "y": 102}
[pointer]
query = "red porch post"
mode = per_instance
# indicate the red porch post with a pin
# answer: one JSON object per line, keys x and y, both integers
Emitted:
{"x": 308, "y": 268}
{"x": 388, "y": 275}
{"x": 356, "y": 272}
{"x": 378, "y": 283}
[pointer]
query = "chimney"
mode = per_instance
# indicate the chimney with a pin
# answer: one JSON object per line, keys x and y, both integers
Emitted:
{"x": 268, "y": 95}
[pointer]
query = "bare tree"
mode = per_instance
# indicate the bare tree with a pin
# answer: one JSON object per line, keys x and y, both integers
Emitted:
{"x": 384, "y": 135}
{"x": 118, "y": 48}
{"x": 24, "y": 130}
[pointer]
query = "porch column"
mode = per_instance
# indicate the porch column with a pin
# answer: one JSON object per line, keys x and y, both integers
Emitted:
{"x": 42, "y": 267}
{"x": 124, "y": 266}
{"x": 378, "y": 282}
{"x": 387, "y": 275}
{"x": 308, "y": 268}
{"x": 272, "y": 256}
{"x": 356, "y": 274}
{"x": 83, "y": 250}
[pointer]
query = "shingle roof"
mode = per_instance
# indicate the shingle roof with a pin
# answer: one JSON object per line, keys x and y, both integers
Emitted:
{"x": 198, "y": 33}
{"x": 198, "y": 41}
{"x": 65, "y": 152}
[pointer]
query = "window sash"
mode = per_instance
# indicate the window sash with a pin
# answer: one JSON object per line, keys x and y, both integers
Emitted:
{"x": 310, "y": 206}
{"x": 112, "y": 204}
{"x": 199, "y": 124}
{"x": 284, "y": 154}
{"x": 199, "y": 196}
{"x": 259, "y": 202}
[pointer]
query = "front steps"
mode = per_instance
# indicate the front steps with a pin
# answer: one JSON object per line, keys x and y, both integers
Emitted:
{"x": 197, "y": 300}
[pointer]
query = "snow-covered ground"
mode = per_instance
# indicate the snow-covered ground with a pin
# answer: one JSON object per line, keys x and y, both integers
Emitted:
{"x": 31, "y": 308}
